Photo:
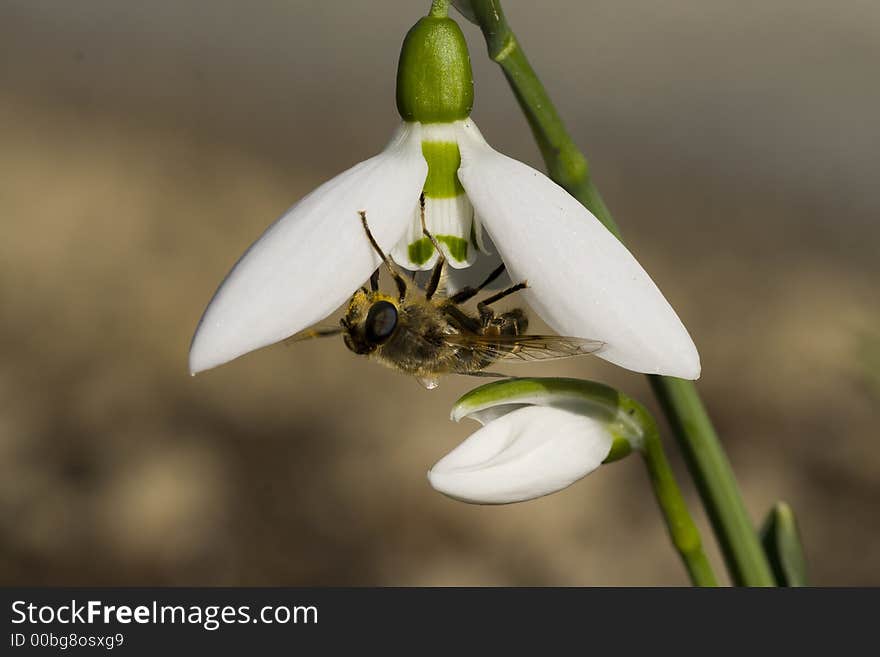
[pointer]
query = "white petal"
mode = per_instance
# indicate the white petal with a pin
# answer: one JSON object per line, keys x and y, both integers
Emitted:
{"x": 524, "y": 454}
{"x": 582, "y": 280}
{"x": 312, "y": 259}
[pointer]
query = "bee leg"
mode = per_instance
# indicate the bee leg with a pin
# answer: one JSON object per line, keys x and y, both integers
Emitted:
{"x": 398, "y": 279}
{"x": 434, "y": 282}
{"x": 431, "y": 288}
{"x": 513, "y": 322}
{"x": 485, "y": 303}
{"x": 487, "y": 317}
{"x": 468, "y": 293}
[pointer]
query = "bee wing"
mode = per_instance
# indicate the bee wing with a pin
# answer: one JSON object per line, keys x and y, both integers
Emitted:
{"x": 524, "y": 347}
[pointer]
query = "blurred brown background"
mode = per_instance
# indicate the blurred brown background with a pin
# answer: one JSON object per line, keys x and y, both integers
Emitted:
{"x": 143, "y": 146}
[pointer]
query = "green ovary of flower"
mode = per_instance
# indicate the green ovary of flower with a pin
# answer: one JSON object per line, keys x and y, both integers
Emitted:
{"x": 434, "y": 79}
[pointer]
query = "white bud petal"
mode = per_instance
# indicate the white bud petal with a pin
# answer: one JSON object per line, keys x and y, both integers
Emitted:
{"x": 526, "y": 453}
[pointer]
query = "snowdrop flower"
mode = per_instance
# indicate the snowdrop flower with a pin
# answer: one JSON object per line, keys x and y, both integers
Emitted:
{"x": 538, "y": 436}
{"x": 479, "y": 204}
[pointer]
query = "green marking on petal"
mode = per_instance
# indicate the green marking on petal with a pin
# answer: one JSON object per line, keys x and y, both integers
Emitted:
{"x": 420, "y": 251}
{"x": 443, "y": 158}
{"x": 457, "y": 246}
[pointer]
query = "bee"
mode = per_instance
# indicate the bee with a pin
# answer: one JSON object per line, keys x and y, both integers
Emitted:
{"x": 428, "y": 336}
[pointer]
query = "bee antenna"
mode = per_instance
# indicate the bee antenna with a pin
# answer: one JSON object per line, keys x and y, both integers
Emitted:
{"x": 398, "y": 279}
{"x": 313, "y": 333}
{"x": 434, "y": 282}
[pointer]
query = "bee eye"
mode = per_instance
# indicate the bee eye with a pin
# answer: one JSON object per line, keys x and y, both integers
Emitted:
{"x": 381, "y": 322}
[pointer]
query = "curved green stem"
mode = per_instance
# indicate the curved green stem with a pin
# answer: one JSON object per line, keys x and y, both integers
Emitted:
{"x": 716, "y": 483}
{"x": 682, "y": 530}
{"x": 682, "y": 405}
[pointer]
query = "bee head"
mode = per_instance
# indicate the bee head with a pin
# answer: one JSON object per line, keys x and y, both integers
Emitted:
{"x": 370, "y": 321}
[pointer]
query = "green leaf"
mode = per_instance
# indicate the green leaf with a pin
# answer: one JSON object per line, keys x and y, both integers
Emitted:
{"x": 782, "y": 543}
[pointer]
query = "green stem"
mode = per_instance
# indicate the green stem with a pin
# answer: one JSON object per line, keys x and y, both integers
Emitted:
{"x": 682, "y": 405}
{"x": 682, "y": 530}
{"x": 715, "y": 480}
{"x": 439, "y": 9}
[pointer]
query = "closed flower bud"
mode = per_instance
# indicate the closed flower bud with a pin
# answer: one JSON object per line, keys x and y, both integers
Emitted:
{"x": 538, "y": 437}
